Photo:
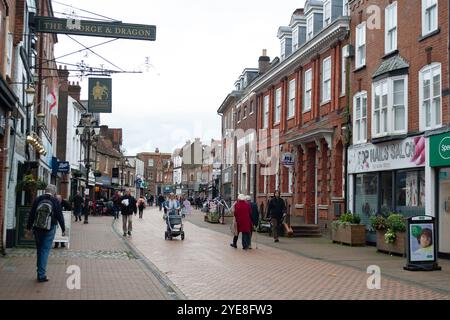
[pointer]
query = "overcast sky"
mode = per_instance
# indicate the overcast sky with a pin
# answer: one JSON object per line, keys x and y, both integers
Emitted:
{"x": 201, "y": 48}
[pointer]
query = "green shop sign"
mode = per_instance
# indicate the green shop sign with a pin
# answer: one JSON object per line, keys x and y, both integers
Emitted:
{"x": 100, "y": 95}
{"x": 95, "y": 28}
{"x": 440, "y": 150}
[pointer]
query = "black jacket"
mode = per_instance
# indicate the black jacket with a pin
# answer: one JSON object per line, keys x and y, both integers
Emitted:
{"x": 277, "y": 208}
{"x": 57, "y": 212}
{"x": 131, "y": 208}
{"x": 65, "y": 205}
{"x": 255, "y": 213}
{"x": 77, "y": 201}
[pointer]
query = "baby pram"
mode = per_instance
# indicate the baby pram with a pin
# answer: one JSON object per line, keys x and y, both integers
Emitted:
{"x": 174, "y": 225}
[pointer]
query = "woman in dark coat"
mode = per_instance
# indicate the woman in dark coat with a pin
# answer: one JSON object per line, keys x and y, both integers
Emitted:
{"x": 243, "y": 216}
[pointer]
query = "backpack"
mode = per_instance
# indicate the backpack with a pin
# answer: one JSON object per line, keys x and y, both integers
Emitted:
{"x": 44, "y": 214}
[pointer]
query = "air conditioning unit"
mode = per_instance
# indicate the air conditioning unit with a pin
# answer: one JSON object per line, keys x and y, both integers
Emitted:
{"x": 348, "y": 51}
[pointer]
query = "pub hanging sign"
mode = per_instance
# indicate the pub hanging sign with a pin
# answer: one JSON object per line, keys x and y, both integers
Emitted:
{"x": 100, "y": 95}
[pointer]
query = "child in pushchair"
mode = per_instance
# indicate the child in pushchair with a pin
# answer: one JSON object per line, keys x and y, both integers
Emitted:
{"x": 174, "y": 225}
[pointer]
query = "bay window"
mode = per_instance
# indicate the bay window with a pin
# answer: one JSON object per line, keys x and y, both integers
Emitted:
{"x": 361, "y": 45}
{"x": 429, "y": 16}
{"x": 360, "y": 117}
{"x": 326, "y": 79}
{"x": 308, "y": 90}
{"x": 390, "y": 106}
{"x": 391, "y": 28}
{"x": 430, "y": 97}
{"x": 291, "y": 107}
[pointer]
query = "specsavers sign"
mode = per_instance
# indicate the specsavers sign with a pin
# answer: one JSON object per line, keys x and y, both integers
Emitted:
{"x": 400, "y": 154}
{"x": 440, "y": 150}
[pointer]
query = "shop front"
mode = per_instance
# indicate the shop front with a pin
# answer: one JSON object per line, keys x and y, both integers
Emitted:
{"x": 387, "y": 178}
{"x": 439, "y": 146}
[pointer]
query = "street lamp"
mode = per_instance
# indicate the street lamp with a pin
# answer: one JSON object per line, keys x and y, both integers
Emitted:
{"x": 30, "y": 92}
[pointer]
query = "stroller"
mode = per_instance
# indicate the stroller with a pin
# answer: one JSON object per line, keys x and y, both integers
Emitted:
{"x": 174, "y": 225}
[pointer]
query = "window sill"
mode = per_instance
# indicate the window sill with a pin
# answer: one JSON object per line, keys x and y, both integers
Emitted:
{"x": 389, "y": 137}
{"x": 360, "y": 68}
{"x": 325, "y": 102}
{"x": 359, "y": 142}
{"x": 390, "y": 54}
{"x": 290, "y": 118}
{"x": 342, "y": 95}
{"x": 306, "y": 111}
{"x": 430, "y": 34}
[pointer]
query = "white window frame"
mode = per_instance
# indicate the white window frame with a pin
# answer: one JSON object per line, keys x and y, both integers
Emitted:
{"x": 291, "y": 99}
{"x": 309, "y": 27}
{"x": 360, "y": 41}
{"x": 290, "y": 181}
{"x": 390, "y": 110}
{"x": 295, "y": 33}
{"x": 252, "y": 107}
{"x": 244, "y": 109}
{"x": 283, "y": 48}
{"x": 152, "y": 161}
{"x": 359, "y": 134}
{"x": 307, "y": 103}
{"x": 265, "y": 184}
{"x": 326, "y": 80}
{"x": 343, "y": 72}
{"x": 266, "y": 108}
{"x": 277, "y": 106}
{"x": 390, "y": 28}
{"x": 326, "y": 13}
{"x": 426, "y": 5}
{"x": 345, "y": 11}
{"x": 433, "y": 69}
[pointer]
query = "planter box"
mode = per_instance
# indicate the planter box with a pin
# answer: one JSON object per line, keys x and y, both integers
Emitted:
{"x": 398, "y": 247}
{"x": 352, "y": 234}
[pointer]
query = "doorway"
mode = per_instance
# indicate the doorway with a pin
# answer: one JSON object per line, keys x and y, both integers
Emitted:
{"x": 311, "y": 185}
{"x": 444, "y": 210}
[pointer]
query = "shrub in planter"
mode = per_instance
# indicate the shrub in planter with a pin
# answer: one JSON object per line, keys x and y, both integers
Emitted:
{"x": 348, "y": 229}
{"x": 390, "y": 233}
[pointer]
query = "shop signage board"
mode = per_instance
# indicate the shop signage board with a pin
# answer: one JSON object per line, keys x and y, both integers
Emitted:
{"x": 287, "y": 160}
{"x": 393, "y": 155}
{"x": 95, "y": 28}
{"x": 422, "y": 249}
{"x": 68, "y": 224}
{"x": 440, "y": 150}
{"x": 100, "y": 95}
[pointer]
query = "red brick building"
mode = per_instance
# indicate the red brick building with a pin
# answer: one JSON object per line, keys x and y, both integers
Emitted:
{"x": 303, "y": 99}
{"x": 154, "y": 163}
{"x": 399, "y": 104}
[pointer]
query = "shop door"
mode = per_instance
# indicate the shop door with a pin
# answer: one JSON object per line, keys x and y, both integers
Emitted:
{"x": 444, "y": 210}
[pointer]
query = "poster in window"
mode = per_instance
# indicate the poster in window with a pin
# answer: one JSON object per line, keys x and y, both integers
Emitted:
{"x": 421, "y": 242}
{"x": 411, "y": 190}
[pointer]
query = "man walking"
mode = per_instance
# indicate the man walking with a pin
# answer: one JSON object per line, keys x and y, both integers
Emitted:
{"x": 277, "y": 208}
{"x": 254, "y": 216}
{"x": 116, "y": 206}
{"x": 77, "y": 206}
{"x": 45, "y": 213}
{"x": 86, "y": 208}
{"x": 127, "y": 208}
{"x": 161, "y": 201}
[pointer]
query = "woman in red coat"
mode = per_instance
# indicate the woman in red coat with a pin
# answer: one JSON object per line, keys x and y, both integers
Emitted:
{"x": 243, "y": 216}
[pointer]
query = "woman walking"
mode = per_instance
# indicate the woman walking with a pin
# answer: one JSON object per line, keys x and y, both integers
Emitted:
{"x": 242, "y": 214}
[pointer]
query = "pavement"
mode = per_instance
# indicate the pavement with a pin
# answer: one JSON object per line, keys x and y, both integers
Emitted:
{"x": 109, "y": 269}
{"x": 205, "y": 267}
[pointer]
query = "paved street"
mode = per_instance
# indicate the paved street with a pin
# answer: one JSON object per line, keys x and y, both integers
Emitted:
{"x": 204, "y": 266}
{"x": 109, "y": 270}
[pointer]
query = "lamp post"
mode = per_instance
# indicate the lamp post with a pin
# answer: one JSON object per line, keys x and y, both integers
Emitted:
{"x": 124, "y": 162}
{"x": 89, "y": 131}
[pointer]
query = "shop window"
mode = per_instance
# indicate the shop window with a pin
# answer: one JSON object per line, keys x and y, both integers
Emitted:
{"x": 386, "y": 193}
{"x": 366, "y": 196}
{"x": 410, "y": 193}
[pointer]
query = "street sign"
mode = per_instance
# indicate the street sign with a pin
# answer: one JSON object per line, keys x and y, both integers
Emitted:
{"x": 422, "y": 248}
{"x": 288, "y": 160}
{"x": 95, "y": 28}
{"x": 100, "y": 95}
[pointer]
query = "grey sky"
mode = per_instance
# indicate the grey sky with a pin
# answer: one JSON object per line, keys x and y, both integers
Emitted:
{"x": 201, "y": 48}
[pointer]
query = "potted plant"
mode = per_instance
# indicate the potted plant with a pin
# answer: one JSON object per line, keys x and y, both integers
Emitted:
{"x": 349, "y": 230}
{"x": 391, "y": 233}
{"x": 30, "y": 184}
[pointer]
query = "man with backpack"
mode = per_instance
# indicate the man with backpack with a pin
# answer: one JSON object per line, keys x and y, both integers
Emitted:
{"x": 45, "y": 214}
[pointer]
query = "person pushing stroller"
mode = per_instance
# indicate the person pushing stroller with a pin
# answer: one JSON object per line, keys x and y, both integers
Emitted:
{"x": 173, "y": 207}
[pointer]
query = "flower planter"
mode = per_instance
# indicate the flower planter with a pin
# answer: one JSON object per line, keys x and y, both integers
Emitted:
{"x": 398, "y": 247}
{"x": 351, "y": 234}
{"x": 213, "y": 218}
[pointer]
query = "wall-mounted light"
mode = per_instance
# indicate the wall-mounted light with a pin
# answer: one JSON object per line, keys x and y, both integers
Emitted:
{"x": 31, "y": 93}
{"x": 40, "y": 119}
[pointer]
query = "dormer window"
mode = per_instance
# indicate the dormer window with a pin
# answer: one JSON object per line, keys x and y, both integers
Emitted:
{"x": 295, "y": 39}
{"x": 326, "y": 13}
{"x": 283, "y": 49}
{"x": 309, "y": 28}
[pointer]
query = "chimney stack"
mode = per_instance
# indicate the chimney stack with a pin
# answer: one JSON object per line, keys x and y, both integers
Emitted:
{"x": 264, "y": 62}
{"x": 75, "y": 90}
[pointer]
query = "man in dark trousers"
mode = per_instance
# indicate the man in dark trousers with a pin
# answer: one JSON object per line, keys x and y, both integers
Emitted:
{"x": 277, "y": 208}
{"x": 127, "y": 208}
{"x": 45, "y": 213}
{"x": 86, "y": 208}
{"x": 161, "y": 201}
{"x": 255, "y": 216}
{"x": 77, "y": 206}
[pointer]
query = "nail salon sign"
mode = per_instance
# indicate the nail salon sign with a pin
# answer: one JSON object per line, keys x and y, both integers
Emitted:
{"x": 393, "y": 155}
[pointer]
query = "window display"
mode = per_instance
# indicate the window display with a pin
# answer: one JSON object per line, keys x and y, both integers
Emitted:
{"x": 410, "y": 192}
